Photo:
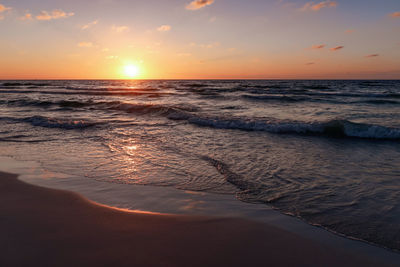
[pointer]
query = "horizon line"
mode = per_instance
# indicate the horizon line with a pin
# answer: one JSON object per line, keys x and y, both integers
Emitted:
{"x": 203, "y": 79}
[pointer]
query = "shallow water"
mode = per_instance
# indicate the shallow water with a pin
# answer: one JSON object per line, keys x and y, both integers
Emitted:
{"x": 325, "y": 151}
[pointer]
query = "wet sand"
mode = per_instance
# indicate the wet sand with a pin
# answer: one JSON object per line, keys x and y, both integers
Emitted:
{"x": 48, "y": 227}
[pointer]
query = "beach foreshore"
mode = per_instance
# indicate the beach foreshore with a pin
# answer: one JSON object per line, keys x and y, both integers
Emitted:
{"x": 50, "y": 227}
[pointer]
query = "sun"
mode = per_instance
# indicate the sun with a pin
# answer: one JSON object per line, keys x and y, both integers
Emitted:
{"x": 131, "y": 71}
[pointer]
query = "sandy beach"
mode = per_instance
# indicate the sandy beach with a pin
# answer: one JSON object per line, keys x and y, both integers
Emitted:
{"x": 48, "y": 227}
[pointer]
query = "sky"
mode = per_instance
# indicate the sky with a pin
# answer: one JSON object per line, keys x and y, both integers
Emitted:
{"x": 200, "y": 39}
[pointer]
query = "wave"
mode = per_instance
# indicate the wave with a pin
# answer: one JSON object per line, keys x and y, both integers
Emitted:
{"x": 111, "y": 89}
{"x": 276, "y": 98}
{"x": 196, "y": 85}
{"x": 334, "y": 128}
{"x": 29, "y": 102}
{"x": 355, "y": 95}
{"x": 175, "y": 112}
{"x": 266, "y": 86}
{"x": 47, "y": 103}
{"x": 379, "y": 102}
{"x": 172, "y": 112}
{"x": 316, "y": 87}
{"x": 18, "y": 84}
{"x": 87, "y": 93}
{"x": 371, "y": 83}
{"x": 67, "y": 124}
{"x": 50, "y": 122}
{"x": 117, "y": 105}
{"x": 297, "y": 98}
{"x": 9, "y": 140}
{"x": 181, "y": 111}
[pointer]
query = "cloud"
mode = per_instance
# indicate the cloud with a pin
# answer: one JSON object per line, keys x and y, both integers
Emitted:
{"x": 210, "y": 45}
{"x": 317, "y": 6}
{"x": 164, "y": 28}
{"x": 395, "y": 15}
{"x": 372, "y": 55}
{"x": 55, "y": 14}
{"x": 310, "y": 63}
{"x": 27, "y": 16}
{"x": 4, "y": 8}
{"x": 89, "y": 25}
{"x": 85, "y": 44}
{"x": 120, "y": 29}
{"x": 318, "y": 46}
{"x": 337, "y": 48}
{"x": 197, "y": 4}
{"x": 349, "y": 31}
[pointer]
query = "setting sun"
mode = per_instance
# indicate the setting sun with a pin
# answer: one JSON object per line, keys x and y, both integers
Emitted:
{"x": 131, "y": 71}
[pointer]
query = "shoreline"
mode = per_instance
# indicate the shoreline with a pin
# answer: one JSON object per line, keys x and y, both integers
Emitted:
{"x": 40, "y": 232}
{"x": 161, "y": 200}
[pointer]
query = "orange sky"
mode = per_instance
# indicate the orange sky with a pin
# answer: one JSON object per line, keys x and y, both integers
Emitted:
{"x": 200, "y": 40}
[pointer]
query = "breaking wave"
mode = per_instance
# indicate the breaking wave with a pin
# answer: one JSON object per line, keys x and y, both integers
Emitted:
{"x": 334, "y": 128}
{"x": 50, "y": 122}
{"x": 67, "y": 124}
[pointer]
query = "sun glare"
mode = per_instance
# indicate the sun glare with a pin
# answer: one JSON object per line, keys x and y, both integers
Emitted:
{"x": 131, "y": 71}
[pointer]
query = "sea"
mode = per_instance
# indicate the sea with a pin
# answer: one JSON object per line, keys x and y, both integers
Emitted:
{"x": 324, "y": 151}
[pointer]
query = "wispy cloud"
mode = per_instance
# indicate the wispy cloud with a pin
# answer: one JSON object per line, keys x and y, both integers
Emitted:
{"x": 208, "y": 46}
{"x": 213, "y": 45}
{"x": 313, "y": 6}
{"x": 4, "y": 8}
{"x": 27, "y": 16}
{"x": 349, "y": 31}
{"x": 55, "y": 14}
{"x": 316, "y": 47}
{"x": 164, "y": 28}
{"x": 395, "y": 15}
{"x": 120, "y": 29}
{"x": 310, "y": 63}
{"x": 337, "y": 48}
{"x": 197, "y": 4}
{"x": 372, "y": 55}
{"x": 89, "y": 25}
{"x": 85, "y": 44}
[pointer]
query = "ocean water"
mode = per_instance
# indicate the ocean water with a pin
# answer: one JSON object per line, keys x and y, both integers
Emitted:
{"x": 327, "y": 152}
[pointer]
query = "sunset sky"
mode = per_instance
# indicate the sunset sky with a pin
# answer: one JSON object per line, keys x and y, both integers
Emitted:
{"x": 203, "y": 39}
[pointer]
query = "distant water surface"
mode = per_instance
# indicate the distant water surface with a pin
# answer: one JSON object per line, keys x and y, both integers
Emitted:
{"x": 324, "y": 151}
